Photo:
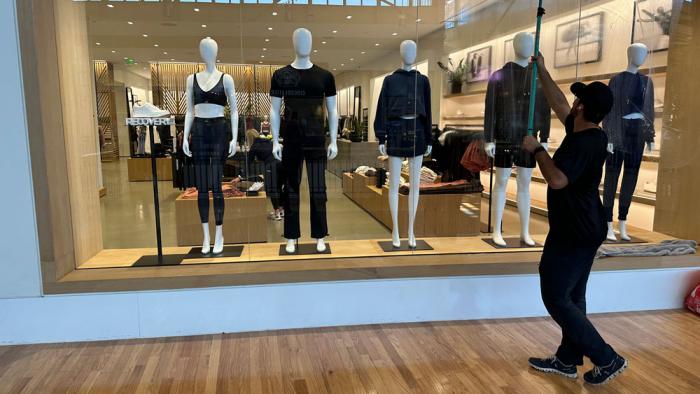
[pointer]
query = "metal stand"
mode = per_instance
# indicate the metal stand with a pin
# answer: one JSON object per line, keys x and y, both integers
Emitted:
{"x": 488, "y": 229}
{"x": 156, "y": 200}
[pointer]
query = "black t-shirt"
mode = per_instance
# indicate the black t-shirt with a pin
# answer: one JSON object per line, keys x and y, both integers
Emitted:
{"x": 576, "y": 212}
{"x": 304, "y": 93}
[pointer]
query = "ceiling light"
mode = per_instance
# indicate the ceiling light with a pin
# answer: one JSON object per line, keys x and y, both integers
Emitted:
{"x": 172, "y": 60}
{"x": 352, "y": 59}
{"x": 155, "y": 45}
{"x": 196, "y": 10}
{"x": 218, "y": 61}
{"x": 261, "y": 62}
{"x": 144, "y": 35}
{"x": 264, "y": 49}
{"x": 204, "y": 26}
{"x": 274, "y": 13}
{"x": 315, "y": 50}
{"x": 125, "y": 57}
{"x": 267, "y": 40}
{"x": 165, "y": 53}
{"x": 262, "y": 56}
{"x": 110, "y": 5}
{"x": 114, "y": 51}
{"x": 323, "y": 42}
{"x": 394, "y": 34}
{"x": 98, "y": 43}
{"x": 130, "y": 22}
{"x": 335, "y": 31}
{"x": 335, "y": 69}
{"x": 269, "y": 28}
{"x": 348, "y": 17}
{"x": 376, "y": 44}
{"x": 342, "y": 64}
{"x": 363, "y": 52}
{"x": 419, "y": 20}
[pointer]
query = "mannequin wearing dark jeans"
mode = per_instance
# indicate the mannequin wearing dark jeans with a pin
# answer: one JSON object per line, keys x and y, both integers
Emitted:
{"x": 629, "y": 155}
{"x": 564, "y": 272}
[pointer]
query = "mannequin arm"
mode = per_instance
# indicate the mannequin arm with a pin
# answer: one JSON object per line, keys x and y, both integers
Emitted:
{"x": 189, "y": 117}
{"x": 611, "y": 147}
{"x": 275, "y": 108}
{"x": 382, "y": 150}
{"x": 332, "y": 108}
{"x": 231, "y": 93}
{"x": 490, "y": 148}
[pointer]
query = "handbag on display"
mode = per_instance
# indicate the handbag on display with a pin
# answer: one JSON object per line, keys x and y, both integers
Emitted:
{"x": 475, "y": 158}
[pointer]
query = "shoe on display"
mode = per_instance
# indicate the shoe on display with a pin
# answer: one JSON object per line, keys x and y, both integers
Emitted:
{"x": 256, "y": 187}
{"x": 148, "y": 110}
{"x": 553, "y": 365}
{"x": 602, "y": 375}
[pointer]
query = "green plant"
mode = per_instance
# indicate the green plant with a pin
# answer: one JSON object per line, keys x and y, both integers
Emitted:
{"x": 455, "y": 75}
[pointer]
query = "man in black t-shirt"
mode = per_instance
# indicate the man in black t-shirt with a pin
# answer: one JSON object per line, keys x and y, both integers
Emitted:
{"x": 577, "y": 227}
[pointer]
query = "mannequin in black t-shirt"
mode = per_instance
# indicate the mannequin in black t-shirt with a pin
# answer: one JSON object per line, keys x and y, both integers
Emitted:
{"x": 305, "y": 88}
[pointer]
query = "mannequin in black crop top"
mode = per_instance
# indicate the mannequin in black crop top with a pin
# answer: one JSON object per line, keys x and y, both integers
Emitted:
{"x": 215, "y": 95}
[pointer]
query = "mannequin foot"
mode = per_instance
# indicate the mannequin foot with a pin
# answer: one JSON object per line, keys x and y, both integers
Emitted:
{"x": 527, "y": 239}
{"x": 395, "y": 239}
{"x": 205, "y": 239}
{"x": 291, "y": 247}
{"x": 218, "y": 240}
{"x": 411, "y": 241}
{"x": 497, "y": 238}
{"x": 623, "y": 231}
{"x": 611, "y": 233}
{"x": 320, "y": 245}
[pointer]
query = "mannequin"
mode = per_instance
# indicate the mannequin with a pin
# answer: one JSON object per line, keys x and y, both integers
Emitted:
{"x": 404, "y": 105}
{"x": 304, "y": 87}
{"x": 265, "y": 126}
{"x": 630, "y": 127}
{"x": 209, "y": 149}
{"x": 508, "y": 94}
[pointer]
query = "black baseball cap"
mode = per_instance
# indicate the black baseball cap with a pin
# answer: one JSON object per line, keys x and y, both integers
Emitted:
{"x": 596, "y": 97}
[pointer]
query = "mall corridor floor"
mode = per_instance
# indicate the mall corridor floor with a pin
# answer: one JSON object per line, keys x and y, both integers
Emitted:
{"x": 449, "y": 357}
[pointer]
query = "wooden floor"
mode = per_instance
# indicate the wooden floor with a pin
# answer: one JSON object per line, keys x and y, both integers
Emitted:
{"x": 481, "y": 356}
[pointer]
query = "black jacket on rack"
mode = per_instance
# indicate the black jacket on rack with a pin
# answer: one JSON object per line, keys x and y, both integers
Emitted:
{"x": 449, "y": 154}
{"x": 403, "y": 93}
{"x": 633, "y": 93}
{"x": 508, "y": 106}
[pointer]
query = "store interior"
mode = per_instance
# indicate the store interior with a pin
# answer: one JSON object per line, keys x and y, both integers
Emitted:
{"x": 143, "y": 52}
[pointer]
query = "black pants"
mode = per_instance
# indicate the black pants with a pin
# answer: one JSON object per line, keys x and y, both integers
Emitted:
{"x": 630, "y": 155}
{"x": 564, "y": 272}
{"x": 261, "y": 150}
{"x": 294, "y": 154}
{"x": 209, "y": 146}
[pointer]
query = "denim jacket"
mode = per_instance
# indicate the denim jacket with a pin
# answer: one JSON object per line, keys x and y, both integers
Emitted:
{"x": 403, "y": 93}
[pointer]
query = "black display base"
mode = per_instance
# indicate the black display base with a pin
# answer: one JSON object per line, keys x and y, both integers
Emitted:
{"x": 388, "y": 247}
{"x": 152, "y": 260}
{"x": 511, "y": 243}
{"x": 304, "y": 249}
{"x": 634, "y": 240}
{"x": 229, "y": 251}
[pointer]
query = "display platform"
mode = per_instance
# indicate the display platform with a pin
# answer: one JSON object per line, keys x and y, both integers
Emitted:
{"x": 139, "y": 169}
{"x": 388, "y": 246}
{"x": 633, "y": 240}
{"x": 308, "y": 249}
{"x": 511, "y": 243}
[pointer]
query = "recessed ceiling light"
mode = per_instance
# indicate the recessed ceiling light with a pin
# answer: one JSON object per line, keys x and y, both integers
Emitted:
{"x": 196, "y": 10}
{"x": 376, "y": 44}
{"x": 130, "y": 22}
{"x": 267, "y": 40}
{"x": 335, "y": 31}
{"x": 114, "y": 51}
{"x": 165, "y": 53}
{"x": 125, "y": 57}
{"x": 155, "y": 45}
{"x": 98, "y": 43}
{"x": 315, "y": 50}
{"x": 348, "y": 17}
{"x": 363, "y": 52}
{"x": 262, "y": 55}
{"x": 144, "y": 35}
{"x": 323, "y": 42}
{"x": 352, "y": 59}
{"x": 110, "y": 5}
{"x": 335, "y": 69}
{"x": 419, "y": 20}
{"x": 218, "y": 61}
{"x": 394, "y": 34}
{"x": 342, "y": 64}
{"x": 274, "y": 13}
{"x": 204, "y": 26}
{"x": 172, "y": 60}
{"x": 264, "y": 49}
{"x": 269, "y": 28}
{"x": 260, "y": 62}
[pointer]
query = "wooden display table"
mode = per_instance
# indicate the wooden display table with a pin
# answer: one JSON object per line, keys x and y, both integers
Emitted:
{"x": 140, "y": 169}
{"x": 245, "y": 220}
{"x": 347, "y": 184}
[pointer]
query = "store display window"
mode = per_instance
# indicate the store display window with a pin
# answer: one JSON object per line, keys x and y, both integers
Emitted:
{"x": 223, "y": 133}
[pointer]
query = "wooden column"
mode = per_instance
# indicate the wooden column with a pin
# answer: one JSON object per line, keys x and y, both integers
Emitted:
{"x": 678, "y": 190}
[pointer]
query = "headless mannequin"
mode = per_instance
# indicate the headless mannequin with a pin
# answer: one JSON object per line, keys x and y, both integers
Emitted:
{"x": 302, "y": 41}
{"x": 408, "y": 56}
{"x": 636, "y": 56}
{"x": 207, "y": 79}
{"x": 524, "y": 46}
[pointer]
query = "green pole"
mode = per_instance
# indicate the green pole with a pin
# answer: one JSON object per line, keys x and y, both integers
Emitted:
{"x": 533, "y": 87}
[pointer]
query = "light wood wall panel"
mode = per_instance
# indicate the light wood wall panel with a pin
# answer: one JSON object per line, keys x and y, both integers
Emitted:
{"x": 678, "y": 187}
{"x": 106, "y": 110}
{"x": 76, "y": 81}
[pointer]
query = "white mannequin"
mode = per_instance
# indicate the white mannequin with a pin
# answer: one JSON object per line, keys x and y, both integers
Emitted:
{"x": 302, "y": 41}
{"x": 636, "y": 55}
{"x": 524, "y": 46}
{"x": 408, "y": 52}
{"x": 207, "y": 79}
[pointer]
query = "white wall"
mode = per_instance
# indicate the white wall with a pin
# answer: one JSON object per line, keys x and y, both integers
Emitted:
{"x": 19, "y": 262}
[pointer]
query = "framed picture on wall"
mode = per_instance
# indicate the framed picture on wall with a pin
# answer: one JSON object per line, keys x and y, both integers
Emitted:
{"x": 579, "y": 41}
{"x": 479, "y": 62}
{"x": 652, "y": 24}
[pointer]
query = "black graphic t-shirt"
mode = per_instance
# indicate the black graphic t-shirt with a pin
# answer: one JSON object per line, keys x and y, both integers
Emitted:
{"x": 304, "y": 93}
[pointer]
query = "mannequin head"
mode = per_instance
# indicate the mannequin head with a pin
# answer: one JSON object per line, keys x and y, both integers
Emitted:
{"x": 408, "y": 50}
{"x": 637, "y": 54}
{"x": 208, "y": 49}
{"x": 523, "y": 45}
{"x": 302, "y": 41}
